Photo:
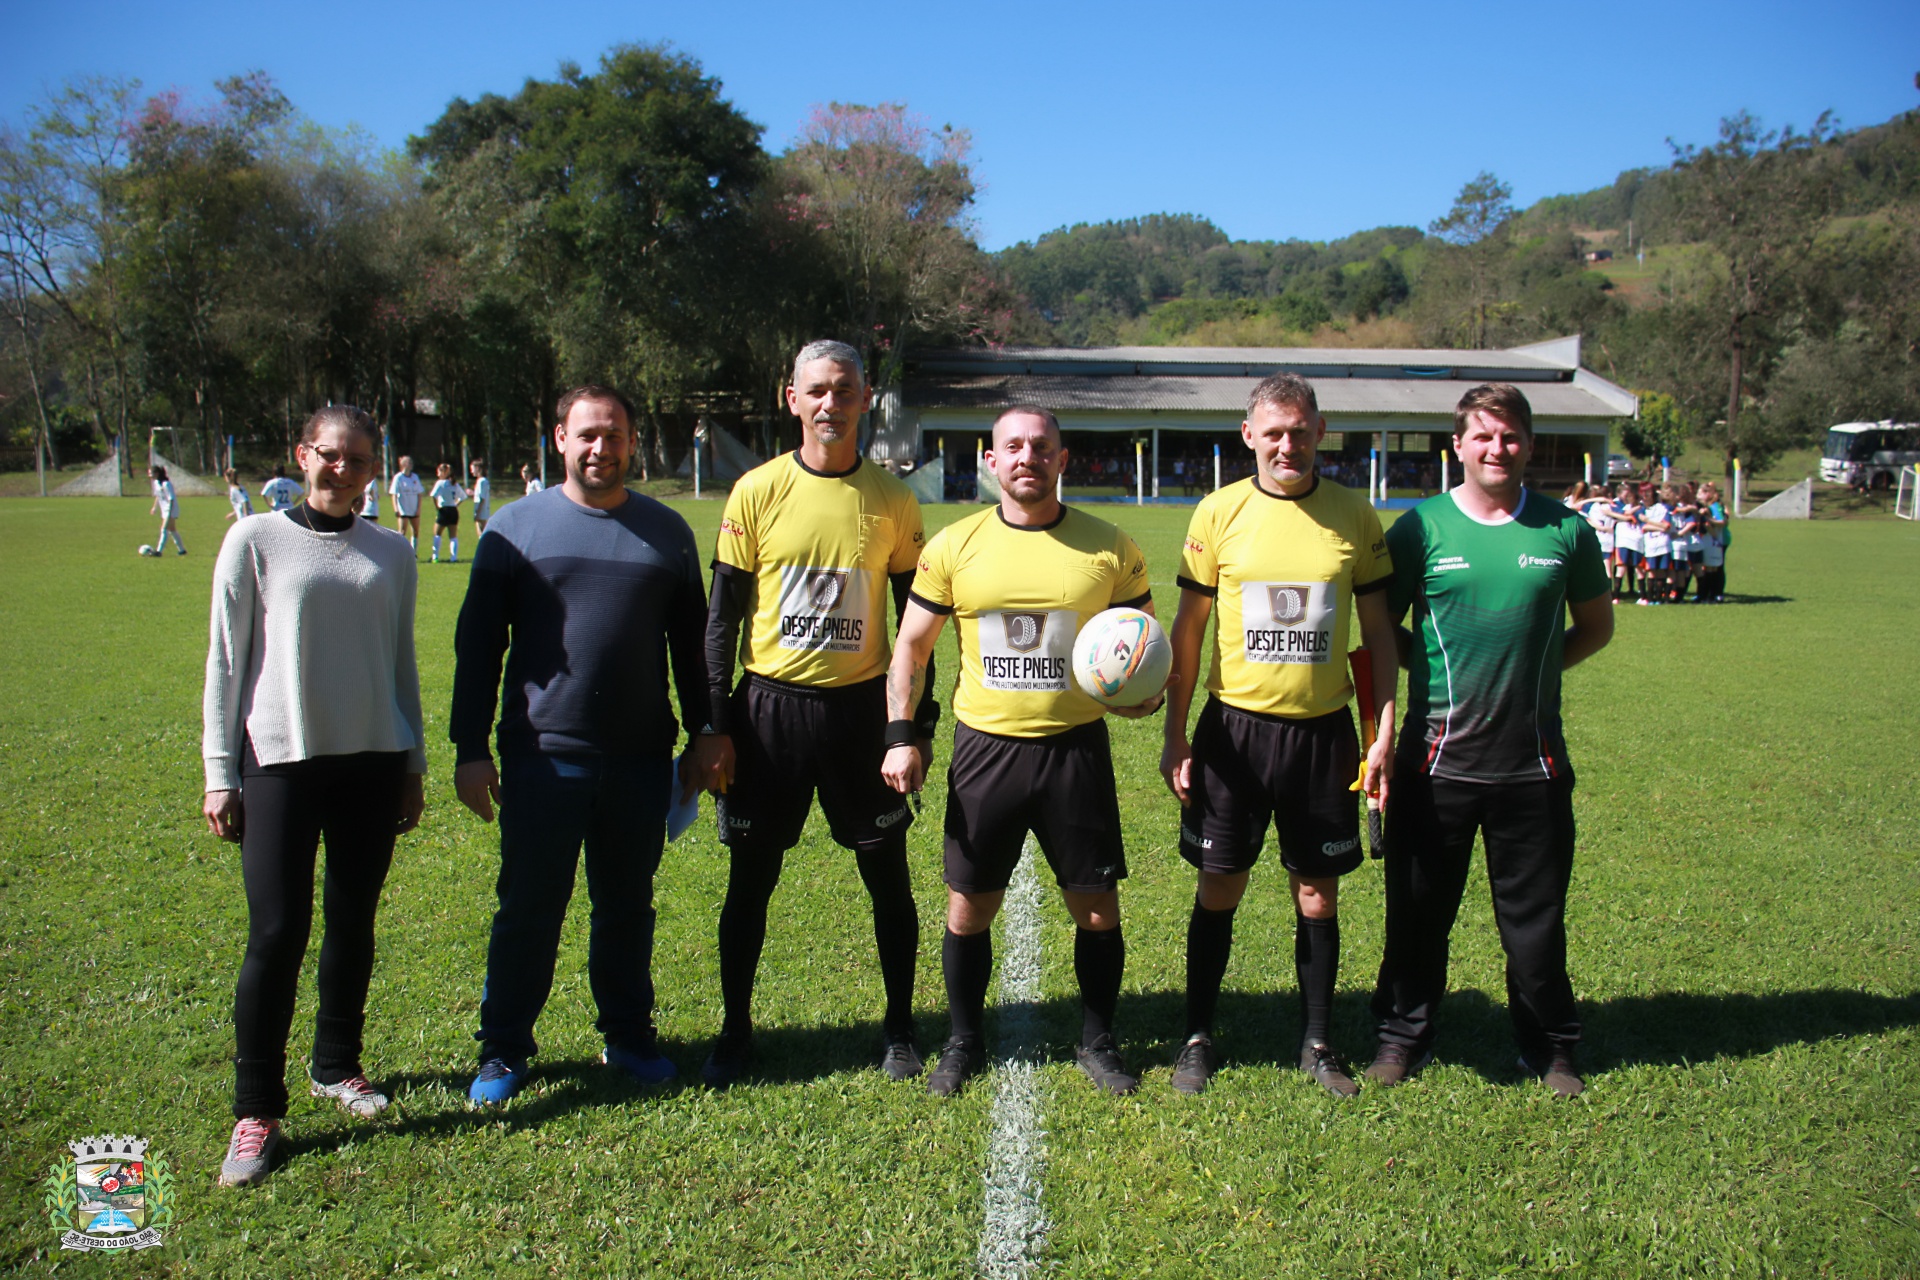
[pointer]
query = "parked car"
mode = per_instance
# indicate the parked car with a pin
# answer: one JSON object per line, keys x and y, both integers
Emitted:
{"x": 1619, "y": 464}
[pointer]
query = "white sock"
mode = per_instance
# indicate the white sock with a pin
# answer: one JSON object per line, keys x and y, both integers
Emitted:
{"x": 436, "y": 546}
{"x": 453, "y": 548}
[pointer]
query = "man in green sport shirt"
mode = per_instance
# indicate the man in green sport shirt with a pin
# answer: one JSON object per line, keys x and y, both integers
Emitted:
{"x": 1491, "y": 572}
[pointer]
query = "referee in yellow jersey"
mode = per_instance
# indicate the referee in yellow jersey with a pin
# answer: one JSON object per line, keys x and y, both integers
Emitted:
{"x": 1030, "y": 751}
{"x": 808, "y": 545}
{"x": 1283, "y": 556}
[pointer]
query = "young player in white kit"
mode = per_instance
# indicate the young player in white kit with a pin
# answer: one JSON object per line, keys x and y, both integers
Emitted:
{"x": 447, "y": 496}
{"x": 1656, "y": 532}
{"x": 1626, "y": 542}
{"x": 406, "y": 490}
{"x": 482, "y": 497}
{"x": 166, "y": 505}
{"x": 281, "y": 493}
{"x": 237, "y": 496}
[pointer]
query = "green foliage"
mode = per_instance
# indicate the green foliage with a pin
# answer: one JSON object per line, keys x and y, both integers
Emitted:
{"x": 883, "y": 200}
{"x": 1087, "y": 281}
{"x": 1660, "y": 431}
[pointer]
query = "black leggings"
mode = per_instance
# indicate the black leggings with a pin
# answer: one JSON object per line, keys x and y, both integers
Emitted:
{"x": 355, "y": 802}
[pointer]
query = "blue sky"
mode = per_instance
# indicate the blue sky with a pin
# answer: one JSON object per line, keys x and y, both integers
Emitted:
{"x": 1274, "y": 120}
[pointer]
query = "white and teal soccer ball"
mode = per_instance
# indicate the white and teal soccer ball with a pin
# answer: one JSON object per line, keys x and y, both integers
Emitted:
{"x": 147, "y": 550}
{"x": 1122, "y": 658}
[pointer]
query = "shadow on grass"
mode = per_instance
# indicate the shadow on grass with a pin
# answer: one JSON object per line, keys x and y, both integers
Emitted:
{"x": 1252, "y": 1028}
{"x": 1670, "y": 1028}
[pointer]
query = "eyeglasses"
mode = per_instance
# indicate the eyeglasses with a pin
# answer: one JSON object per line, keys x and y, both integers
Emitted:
{"x": 352, "y": 463}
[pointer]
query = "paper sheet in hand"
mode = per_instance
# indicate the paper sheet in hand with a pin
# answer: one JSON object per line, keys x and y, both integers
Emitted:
{"x": 680, "y": 815}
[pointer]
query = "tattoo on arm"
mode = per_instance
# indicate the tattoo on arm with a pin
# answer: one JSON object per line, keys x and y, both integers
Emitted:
{"x": 904, "y": 696}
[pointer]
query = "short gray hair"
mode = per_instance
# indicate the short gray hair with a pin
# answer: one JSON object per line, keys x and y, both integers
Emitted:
{"x": 1285, "y": 391}
{"x": 828, "y": 349}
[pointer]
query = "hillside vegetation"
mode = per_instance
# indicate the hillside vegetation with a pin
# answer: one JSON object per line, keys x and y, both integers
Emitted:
{"x": 1763, "y": 284}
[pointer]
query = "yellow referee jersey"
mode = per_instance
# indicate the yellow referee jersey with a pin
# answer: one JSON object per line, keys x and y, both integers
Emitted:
{"x": 1020, "y": 596}
{"x": 1282, "y": 573}
{"x": 819, "y": 548}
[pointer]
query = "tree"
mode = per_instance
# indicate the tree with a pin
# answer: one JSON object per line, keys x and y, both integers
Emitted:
{"x": 201, "y": 222}
{"x": 613, "y": 210}
{"x": 1475, "y": 228}
{"x": 63, "y": 231}
{"x": 1660, "y": 430}
{"x": 887, "y": 199}
{"x": 1758, "y": 199}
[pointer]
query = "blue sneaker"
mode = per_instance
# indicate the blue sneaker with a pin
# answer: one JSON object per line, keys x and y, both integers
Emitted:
{"x": 498, "y": 1080}
{"x": 649, "y": 1067}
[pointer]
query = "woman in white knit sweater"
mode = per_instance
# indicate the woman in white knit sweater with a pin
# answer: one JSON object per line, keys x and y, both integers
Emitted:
{"x": 311, "y": 727}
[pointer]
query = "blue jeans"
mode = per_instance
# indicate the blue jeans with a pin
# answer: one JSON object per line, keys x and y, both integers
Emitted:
{"x": 550, "y": 806}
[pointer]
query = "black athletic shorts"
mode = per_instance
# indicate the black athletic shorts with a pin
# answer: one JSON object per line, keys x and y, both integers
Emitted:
{"x": 1059, "y": 787}
{"x": 788, "y": 741}
{"x": 1250, "y": 770}
{"x": 446, "y": 517}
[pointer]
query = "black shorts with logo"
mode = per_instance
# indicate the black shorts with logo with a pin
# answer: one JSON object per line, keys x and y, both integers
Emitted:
{"x": 446, "y": 517}
{"x": 791, "y": 739}
{"x": 1250, "y": 770}
{"x": 1059, "y": 787}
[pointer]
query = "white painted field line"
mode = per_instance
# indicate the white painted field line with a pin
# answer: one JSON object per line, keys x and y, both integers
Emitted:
{"x": 1014, "y": 1234}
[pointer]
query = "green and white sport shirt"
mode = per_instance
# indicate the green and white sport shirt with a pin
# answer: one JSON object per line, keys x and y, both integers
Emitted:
{"x": 1489, "y": 607}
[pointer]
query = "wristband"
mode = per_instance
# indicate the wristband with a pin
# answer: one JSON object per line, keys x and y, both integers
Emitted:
{"x": 900, "y": 733}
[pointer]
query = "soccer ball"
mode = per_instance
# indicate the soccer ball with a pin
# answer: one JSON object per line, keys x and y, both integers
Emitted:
{"x": 1122, "y": 658}
{"x": 147, "y": 550}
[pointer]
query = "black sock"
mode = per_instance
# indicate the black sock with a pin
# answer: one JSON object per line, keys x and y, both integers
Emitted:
{"x": 1316, "y": 963}
{"x": 1099, "y": 960}
{"x": 751, "y": 877}
{"x": 896, "y": 928}
{"x": 336, "y": 1049}
{"x": 1209, "y": 943}
{"x": 967, "y": 963}
{"x": 260, "y": 1088}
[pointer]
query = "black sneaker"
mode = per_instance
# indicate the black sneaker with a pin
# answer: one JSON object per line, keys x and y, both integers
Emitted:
{"x": 902, "y": 1059}
{"x": 1193, "y": 1069}
{"x": 1396, "y": 1063}
{"x": 732, "y": 1055}
{"x": 1558, "y": 1073}
{"x": 959, "y": 1062}
{"x": 1104, "y": 1066}
{"x": 1324, "y": 1065}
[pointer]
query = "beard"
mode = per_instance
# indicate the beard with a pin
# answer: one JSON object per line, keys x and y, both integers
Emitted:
{"x": 610, "y": 477}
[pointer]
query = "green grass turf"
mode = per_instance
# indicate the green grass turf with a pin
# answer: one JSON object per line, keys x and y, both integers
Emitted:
{"x": 1743, "y": 939}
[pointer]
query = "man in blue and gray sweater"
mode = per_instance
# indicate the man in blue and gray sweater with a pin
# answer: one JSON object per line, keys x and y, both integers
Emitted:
{"x": 587, "y": 592}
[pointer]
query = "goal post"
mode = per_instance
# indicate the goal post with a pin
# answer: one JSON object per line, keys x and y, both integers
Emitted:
{"x": 1906, "y": 503}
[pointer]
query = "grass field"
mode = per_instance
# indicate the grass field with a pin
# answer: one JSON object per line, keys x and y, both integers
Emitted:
{"x": 1743, "y": 939}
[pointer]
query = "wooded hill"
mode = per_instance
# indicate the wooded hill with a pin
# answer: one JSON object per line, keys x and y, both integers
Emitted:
{"x": 1785, "y": 264}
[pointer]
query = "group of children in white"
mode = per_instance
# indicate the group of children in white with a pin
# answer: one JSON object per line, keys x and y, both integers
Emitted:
{"x": 1658, "y": 538}
{"x": 406, "y": 489}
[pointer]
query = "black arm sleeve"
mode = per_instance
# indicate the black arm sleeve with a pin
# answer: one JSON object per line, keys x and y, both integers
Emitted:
{"x": 479, "y": 648}
{"x": 686, "y": 628}
{"x": 726, "y": 609}
{"x": 927, "y": 715}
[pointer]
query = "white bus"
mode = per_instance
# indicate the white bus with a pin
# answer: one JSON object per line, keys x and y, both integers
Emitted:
{"x": 1869, "y": 455}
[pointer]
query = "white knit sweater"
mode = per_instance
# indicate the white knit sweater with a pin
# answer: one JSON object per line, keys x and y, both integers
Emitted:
{"x": 311, "y": 651}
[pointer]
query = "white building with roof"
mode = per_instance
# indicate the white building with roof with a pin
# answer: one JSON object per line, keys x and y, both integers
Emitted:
{"x": 1179, "y": 400}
